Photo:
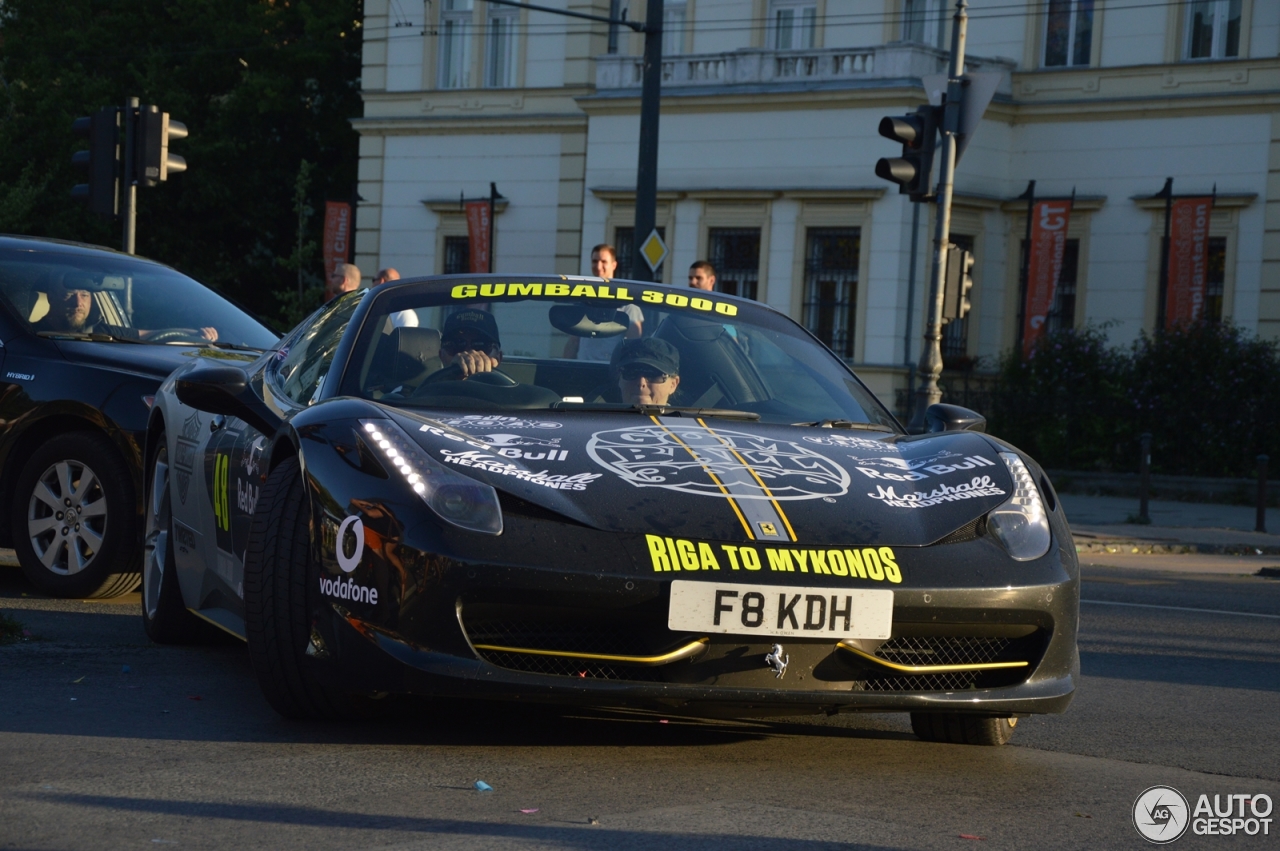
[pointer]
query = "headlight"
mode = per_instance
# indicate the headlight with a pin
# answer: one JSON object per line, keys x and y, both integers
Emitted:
{"x": 457, "y": 499}
{"x": 1021, "y": 523}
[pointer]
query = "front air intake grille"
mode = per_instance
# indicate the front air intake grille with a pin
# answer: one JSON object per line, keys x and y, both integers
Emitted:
{"x": 496, "y": 631}
{"x": 935, "y": 650}
{"x": 560, "y": 666}
{"x": 929, "y": 650}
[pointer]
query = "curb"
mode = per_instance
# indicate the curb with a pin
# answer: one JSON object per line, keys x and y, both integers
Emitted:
{"x": 1178, "y": 548}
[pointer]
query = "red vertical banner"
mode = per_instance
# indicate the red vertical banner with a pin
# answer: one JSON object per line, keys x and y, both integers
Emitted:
{"x": 478, "y": 227}
{"x": 337, "y": 235}
{"x": 1049, "y": 220}
{"x": 1188, "y": 259}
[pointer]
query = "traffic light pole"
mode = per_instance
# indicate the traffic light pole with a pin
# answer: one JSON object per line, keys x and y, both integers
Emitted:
{"x": 647, "y": 167}
{"x": 128, "y": 182}
{"x": 930, "y": 367}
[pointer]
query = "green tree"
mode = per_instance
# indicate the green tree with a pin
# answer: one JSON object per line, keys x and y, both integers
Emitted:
{"x": 261, "y": 84}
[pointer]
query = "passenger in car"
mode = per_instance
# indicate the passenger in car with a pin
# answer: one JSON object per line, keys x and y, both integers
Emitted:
{"x": 648, "y": 371}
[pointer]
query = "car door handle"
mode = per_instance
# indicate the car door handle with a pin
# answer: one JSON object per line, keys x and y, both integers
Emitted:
{"x": 217, "y": 422}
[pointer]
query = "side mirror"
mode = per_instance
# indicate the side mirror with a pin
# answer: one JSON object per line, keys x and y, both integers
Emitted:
{"x": 225, "y": 390}
{"x": 941, "y": 417}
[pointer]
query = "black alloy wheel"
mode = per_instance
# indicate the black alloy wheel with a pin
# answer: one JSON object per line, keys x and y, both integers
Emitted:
{"x": 74, "y": 523}
{"x": 279, "y": 575}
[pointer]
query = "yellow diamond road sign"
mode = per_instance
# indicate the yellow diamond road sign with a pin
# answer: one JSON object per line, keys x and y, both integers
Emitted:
{"x": 654, "y": 251}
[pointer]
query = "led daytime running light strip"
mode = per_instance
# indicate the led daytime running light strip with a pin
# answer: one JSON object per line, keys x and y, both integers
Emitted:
{"x": 407, "y": 459}
{"x": 1026, "y": 497}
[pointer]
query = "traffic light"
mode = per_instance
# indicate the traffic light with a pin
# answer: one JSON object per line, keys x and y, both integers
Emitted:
{"x": 153, "y": 162}
{"x": 101, "y": 161}
{"x": 918, "y": 133}
{"x": 959, "y": 283}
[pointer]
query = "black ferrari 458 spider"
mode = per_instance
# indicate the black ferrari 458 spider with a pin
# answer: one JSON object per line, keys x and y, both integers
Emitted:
{"x": 607, "y": 493}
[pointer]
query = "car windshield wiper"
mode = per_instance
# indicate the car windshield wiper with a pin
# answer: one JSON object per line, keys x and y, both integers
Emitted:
{"x": 656, "y": 410}
{"x": 849, "y": 424}
{"x": 94, "y": 337}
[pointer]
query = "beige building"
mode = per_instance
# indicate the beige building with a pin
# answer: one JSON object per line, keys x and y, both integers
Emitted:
{"x": 768, "y": 146}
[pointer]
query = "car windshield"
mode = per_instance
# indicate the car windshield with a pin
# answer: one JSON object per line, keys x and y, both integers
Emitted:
{"x": 588, "y": 344}
{"x": 118, "y": 298}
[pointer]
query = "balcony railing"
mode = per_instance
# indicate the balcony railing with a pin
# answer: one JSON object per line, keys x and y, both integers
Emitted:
{"x": 763, "y": 67}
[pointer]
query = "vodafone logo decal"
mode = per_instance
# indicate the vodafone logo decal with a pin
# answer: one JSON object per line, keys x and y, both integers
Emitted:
{"x": 355, "y": 526}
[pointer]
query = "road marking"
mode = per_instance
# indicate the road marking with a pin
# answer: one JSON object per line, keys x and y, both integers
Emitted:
{"x": 1182, "y": 609}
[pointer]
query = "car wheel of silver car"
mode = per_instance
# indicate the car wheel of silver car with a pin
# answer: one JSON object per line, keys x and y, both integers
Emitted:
{"x": 278, "y": 574}
{"x": 164, "y": 614}
{"x": 958, "y": 728}
{"x": 75, "y": 523}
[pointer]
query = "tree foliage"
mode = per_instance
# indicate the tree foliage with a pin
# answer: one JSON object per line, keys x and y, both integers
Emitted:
{"x": 262, "y": 85}
{"x": 1207, "y": 392}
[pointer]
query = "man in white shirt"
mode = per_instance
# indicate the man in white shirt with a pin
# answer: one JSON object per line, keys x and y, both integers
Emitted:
{"x": 604, "y": 262}
{"x": 403, "y": 318}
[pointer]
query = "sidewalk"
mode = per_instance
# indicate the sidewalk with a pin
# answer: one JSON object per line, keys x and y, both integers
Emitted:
{"x": 1099, "y": 524}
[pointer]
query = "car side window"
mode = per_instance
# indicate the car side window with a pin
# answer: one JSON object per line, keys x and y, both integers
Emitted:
{"x": 310, "y": 353}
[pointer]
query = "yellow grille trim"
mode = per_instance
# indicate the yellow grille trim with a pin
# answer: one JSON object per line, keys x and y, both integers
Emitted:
{"x": 927, "y": 669}
{"x": 688, "y": 651}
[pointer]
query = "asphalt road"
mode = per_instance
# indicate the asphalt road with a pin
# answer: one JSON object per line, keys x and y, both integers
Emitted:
{"x": 181, "y": 750}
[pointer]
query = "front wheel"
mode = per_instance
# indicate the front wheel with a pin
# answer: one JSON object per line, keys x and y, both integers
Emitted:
{"x": 278, "y": 574}
{"x": 74, "y": 519}
{"x": 958, "y": 728}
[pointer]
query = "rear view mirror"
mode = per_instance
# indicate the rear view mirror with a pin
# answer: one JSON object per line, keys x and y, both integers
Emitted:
{"x": 579, "y": 321}
{"x": 225, "y": 390}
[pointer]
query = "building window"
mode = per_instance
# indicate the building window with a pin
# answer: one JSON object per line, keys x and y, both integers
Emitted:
{"x": 455, "y": 44}
{"x": 831, "y": 286}
{"x": 617, "y": 8}
{"x": 735, "y": 252}
{"x": 955, "y": 334}
{"x": 792, "y": 24}
{"x": 1215, "y": 278}
{"x": 1213, "y": 29}
{"x": 457, "y": 255}
{"x": 923, "y": 22}
{"x": 500, "y": 63}
{"x": 624, "y": 239}
{"x": 1062, "y": 314}
{"x": 673, "y": 20}
{"x": 1068, "y": 38}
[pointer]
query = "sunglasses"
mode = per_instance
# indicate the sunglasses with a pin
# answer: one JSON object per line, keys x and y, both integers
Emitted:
{"x": 455, "y": 345}
{"x": 636, "y": 371}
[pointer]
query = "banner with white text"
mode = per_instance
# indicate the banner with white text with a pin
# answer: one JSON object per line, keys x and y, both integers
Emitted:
{"x": 1188, "y": 260}
{"x": 1049, "y": 220}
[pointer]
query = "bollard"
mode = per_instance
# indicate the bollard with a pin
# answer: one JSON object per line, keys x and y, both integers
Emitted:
{"x": 1262, "y": 494}
{"x": 1144, "y": 478}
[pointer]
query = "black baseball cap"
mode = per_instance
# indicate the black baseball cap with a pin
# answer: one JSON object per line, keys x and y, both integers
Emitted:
{"x": 658, "y": 354}
{"x": 479, "y": 322}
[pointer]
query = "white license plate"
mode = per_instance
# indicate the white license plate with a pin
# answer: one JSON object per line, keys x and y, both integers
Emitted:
{"x": 777, "y": 610}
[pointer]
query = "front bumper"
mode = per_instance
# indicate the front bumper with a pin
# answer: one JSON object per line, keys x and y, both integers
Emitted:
{"x": 593, "y": 597}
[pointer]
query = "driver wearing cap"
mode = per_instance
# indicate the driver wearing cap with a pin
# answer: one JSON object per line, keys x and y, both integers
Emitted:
{"x": 648, "y": 371}
{"x": 469, "y": 340}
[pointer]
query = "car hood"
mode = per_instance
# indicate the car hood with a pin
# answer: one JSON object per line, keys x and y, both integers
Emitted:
{"x": 723, "y": 479}
{"x": 143, "y": 358}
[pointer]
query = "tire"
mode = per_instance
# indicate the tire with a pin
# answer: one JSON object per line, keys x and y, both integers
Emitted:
{"x": 79, "y": 477}
{"x": 279, "y": 576}
{"x": 164, "y": 614}
{"x": 958, "y": 728}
